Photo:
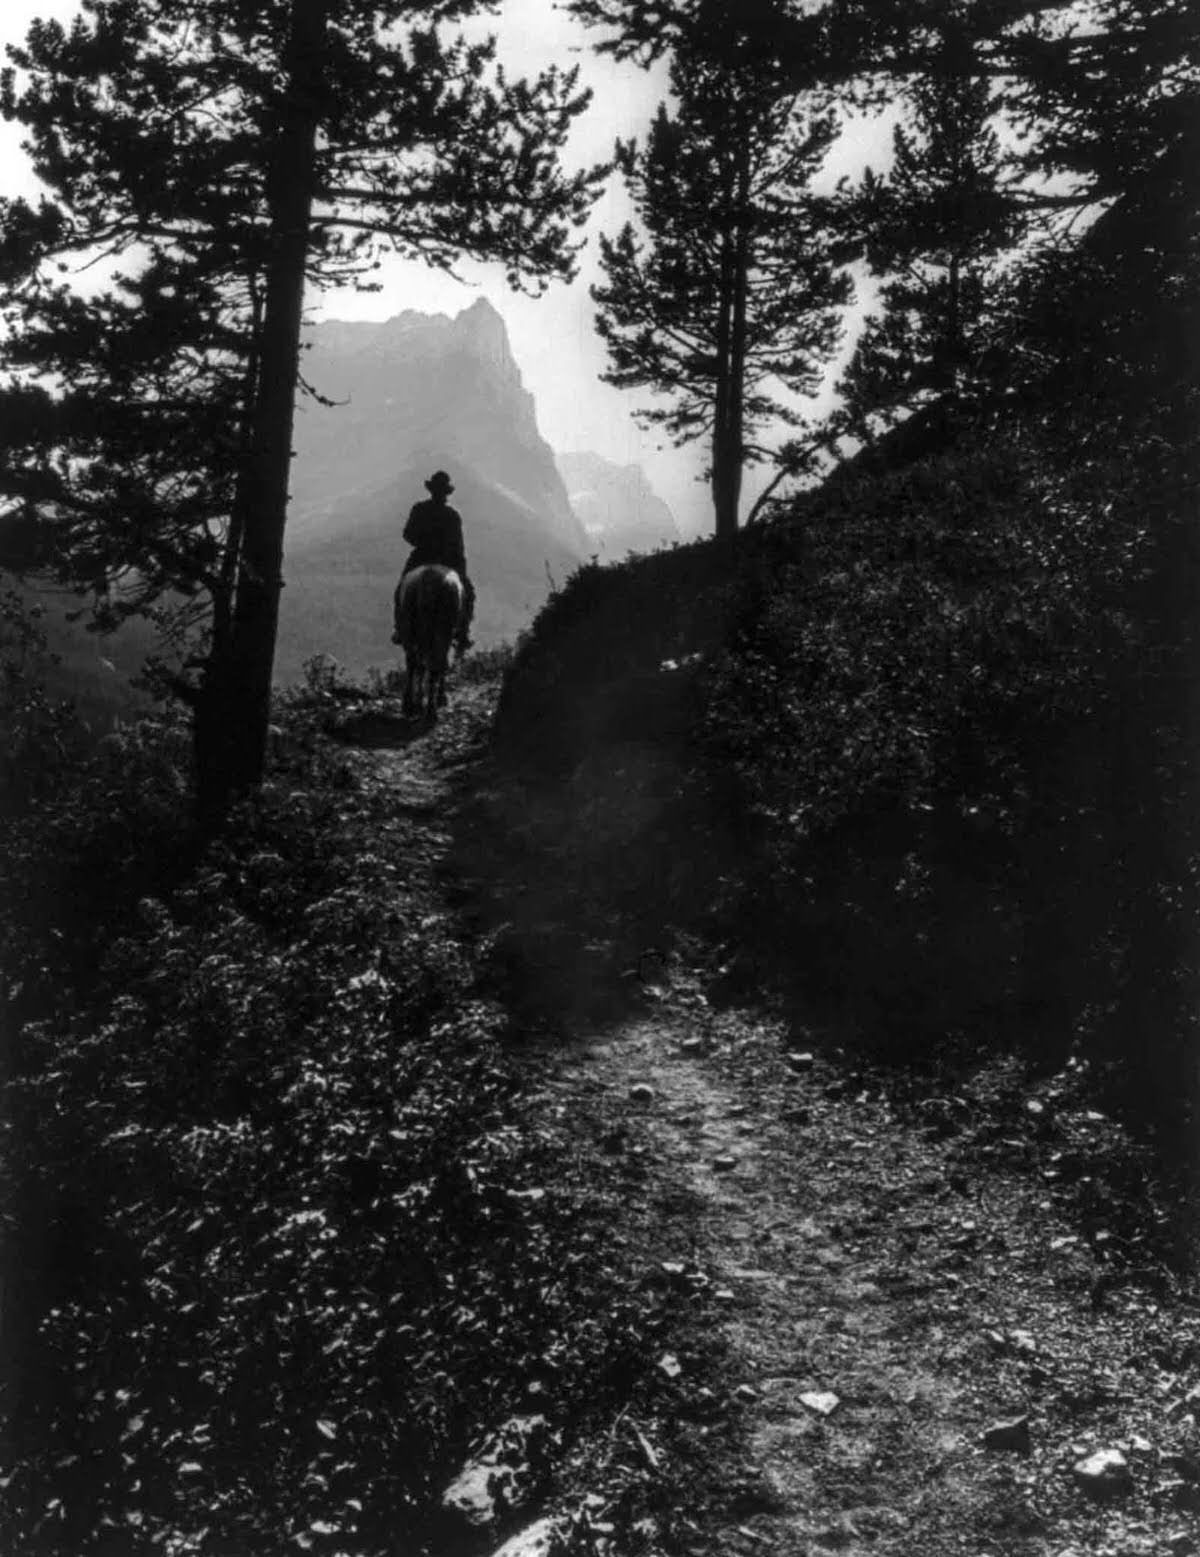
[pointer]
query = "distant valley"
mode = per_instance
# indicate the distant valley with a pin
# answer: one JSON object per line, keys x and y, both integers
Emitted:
{"x": 412, "y": 395}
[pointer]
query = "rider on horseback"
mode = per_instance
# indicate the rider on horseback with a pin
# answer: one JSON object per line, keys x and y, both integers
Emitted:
{"x": 435, "y": 533}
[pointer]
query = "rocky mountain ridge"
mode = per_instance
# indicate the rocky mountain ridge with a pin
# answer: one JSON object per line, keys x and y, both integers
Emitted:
{"x": 385, "y": 404}
{"x": 415, "y": 389}
{"x": 616, "y": 505}
{"x": 398, "y": 400}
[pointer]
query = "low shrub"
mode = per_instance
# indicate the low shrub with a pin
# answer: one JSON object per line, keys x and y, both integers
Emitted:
{"x": 110, "y": 825}
{"x": 278, "y": 1246}
{"x": 39, "y": 735}
{"x": 926, "y": 735}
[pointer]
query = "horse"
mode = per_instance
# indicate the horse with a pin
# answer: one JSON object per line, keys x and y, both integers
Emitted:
{"x": 428, "y": 603}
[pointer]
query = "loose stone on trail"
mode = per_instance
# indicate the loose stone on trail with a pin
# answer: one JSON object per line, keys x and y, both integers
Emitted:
{"x": 538, "y": 1540}
{"x": 1103, "y": 1474}
{"x": 641, "y": 1092}
{"x": 500, "y": 1475}
{"x": 823, "y": 1401}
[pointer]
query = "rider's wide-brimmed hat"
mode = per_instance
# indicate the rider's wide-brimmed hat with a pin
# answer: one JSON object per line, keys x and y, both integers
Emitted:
{"x": 439, "y": 482}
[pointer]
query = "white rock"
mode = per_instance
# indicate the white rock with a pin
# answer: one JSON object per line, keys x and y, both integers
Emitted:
{"x": 822, "y": 1401}
{"x": 535, "y": 1541}
{"x": 1103, "y": 1472}
{"x": 498, "y": 1478}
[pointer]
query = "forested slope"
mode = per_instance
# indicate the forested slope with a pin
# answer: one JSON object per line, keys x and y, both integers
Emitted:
{"x": 924, "y": 743}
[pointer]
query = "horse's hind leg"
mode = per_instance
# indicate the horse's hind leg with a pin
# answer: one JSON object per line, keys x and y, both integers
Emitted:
{"x": 410, "y": 686}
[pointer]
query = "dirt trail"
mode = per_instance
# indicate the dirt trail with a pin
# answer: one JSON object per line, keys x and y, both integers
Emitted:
{"x": 819, "y": 1355}
{"x": 885, "y": 1300}
{"x": 899, "y": 1342}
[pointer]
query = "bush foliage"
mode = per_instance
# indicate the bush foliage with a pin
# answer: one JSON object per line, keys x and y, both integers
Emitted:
{"x": 280, "y": 1246}
{"x": 927, "y": 737}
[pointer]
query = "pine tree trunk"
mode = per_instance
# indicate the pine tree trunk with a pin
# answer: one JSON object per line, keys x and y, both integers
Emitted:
{"x": 728, "y": 432}
{"x": 233, "y": 721}
{"x": 742, "y": 260}
{"x": 724, "y": 500}
{"x": 726, "y": 518}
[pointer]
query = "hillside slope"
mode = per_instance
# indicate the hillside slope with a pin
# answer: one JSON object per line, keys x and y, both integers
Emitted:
{"x": 414, "y": 394}
{"x": 95, "y": 671}
{"x": 342, "y": 574}
{"x": 392, "y": 402}
{"x": 337, "y": 1179}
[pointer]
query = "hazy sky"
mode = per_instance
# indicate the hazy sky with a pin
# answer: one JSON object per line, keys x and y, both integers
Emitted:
{"x": 552, "y": 337}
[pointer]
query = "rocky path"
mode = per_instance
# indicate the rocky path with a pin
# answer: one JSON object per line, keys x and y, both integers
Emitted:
{"x": 915, "y": 1353}
{"x": 914, "y": 1316}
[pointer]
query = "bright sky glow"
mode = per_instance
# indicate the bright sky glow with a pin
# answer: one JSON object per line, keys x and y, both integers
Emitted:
{"x": 553, "y": 338}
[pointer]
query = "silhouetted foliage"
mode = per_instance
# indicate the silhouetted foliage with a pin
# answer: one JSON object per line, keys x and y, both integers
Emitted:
{"x": 215, "y": 162}
{"x": 725, "y": 299}
{"x": 935, "y": 228}
{"x": 38, "y": 734}
{"x": 922, "y": 748}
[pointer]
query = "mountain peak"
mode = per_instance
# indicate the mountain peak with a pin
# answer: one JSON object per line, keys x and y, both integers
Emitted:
{"x": 483, "y": 329}
{"x": 481, "y": 308}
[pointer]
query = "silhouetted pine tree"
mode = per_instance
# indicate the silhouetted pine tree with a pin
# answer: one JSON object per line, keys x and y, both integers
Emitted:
{"x": 725, "y": 296}
{"x": 936, "y": 227}
{"x": 214, "y": 160}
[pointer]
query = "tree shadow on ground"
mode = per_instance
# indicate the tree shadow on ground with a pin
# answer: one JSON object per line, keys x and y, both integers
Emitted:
{"x": 561, "y": 961}
{"x": 378, "y": 731}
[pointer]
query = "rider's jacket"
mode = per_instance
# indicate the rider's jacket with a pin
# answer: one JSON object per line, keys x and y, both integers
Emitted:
{"x": 435, "y": 533}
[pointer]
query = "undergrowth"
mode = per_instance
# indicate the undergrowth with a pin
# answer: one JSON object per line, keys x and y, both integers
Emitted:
{"x": 918, "y": 751}
{"x": 280, "y": 1246}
